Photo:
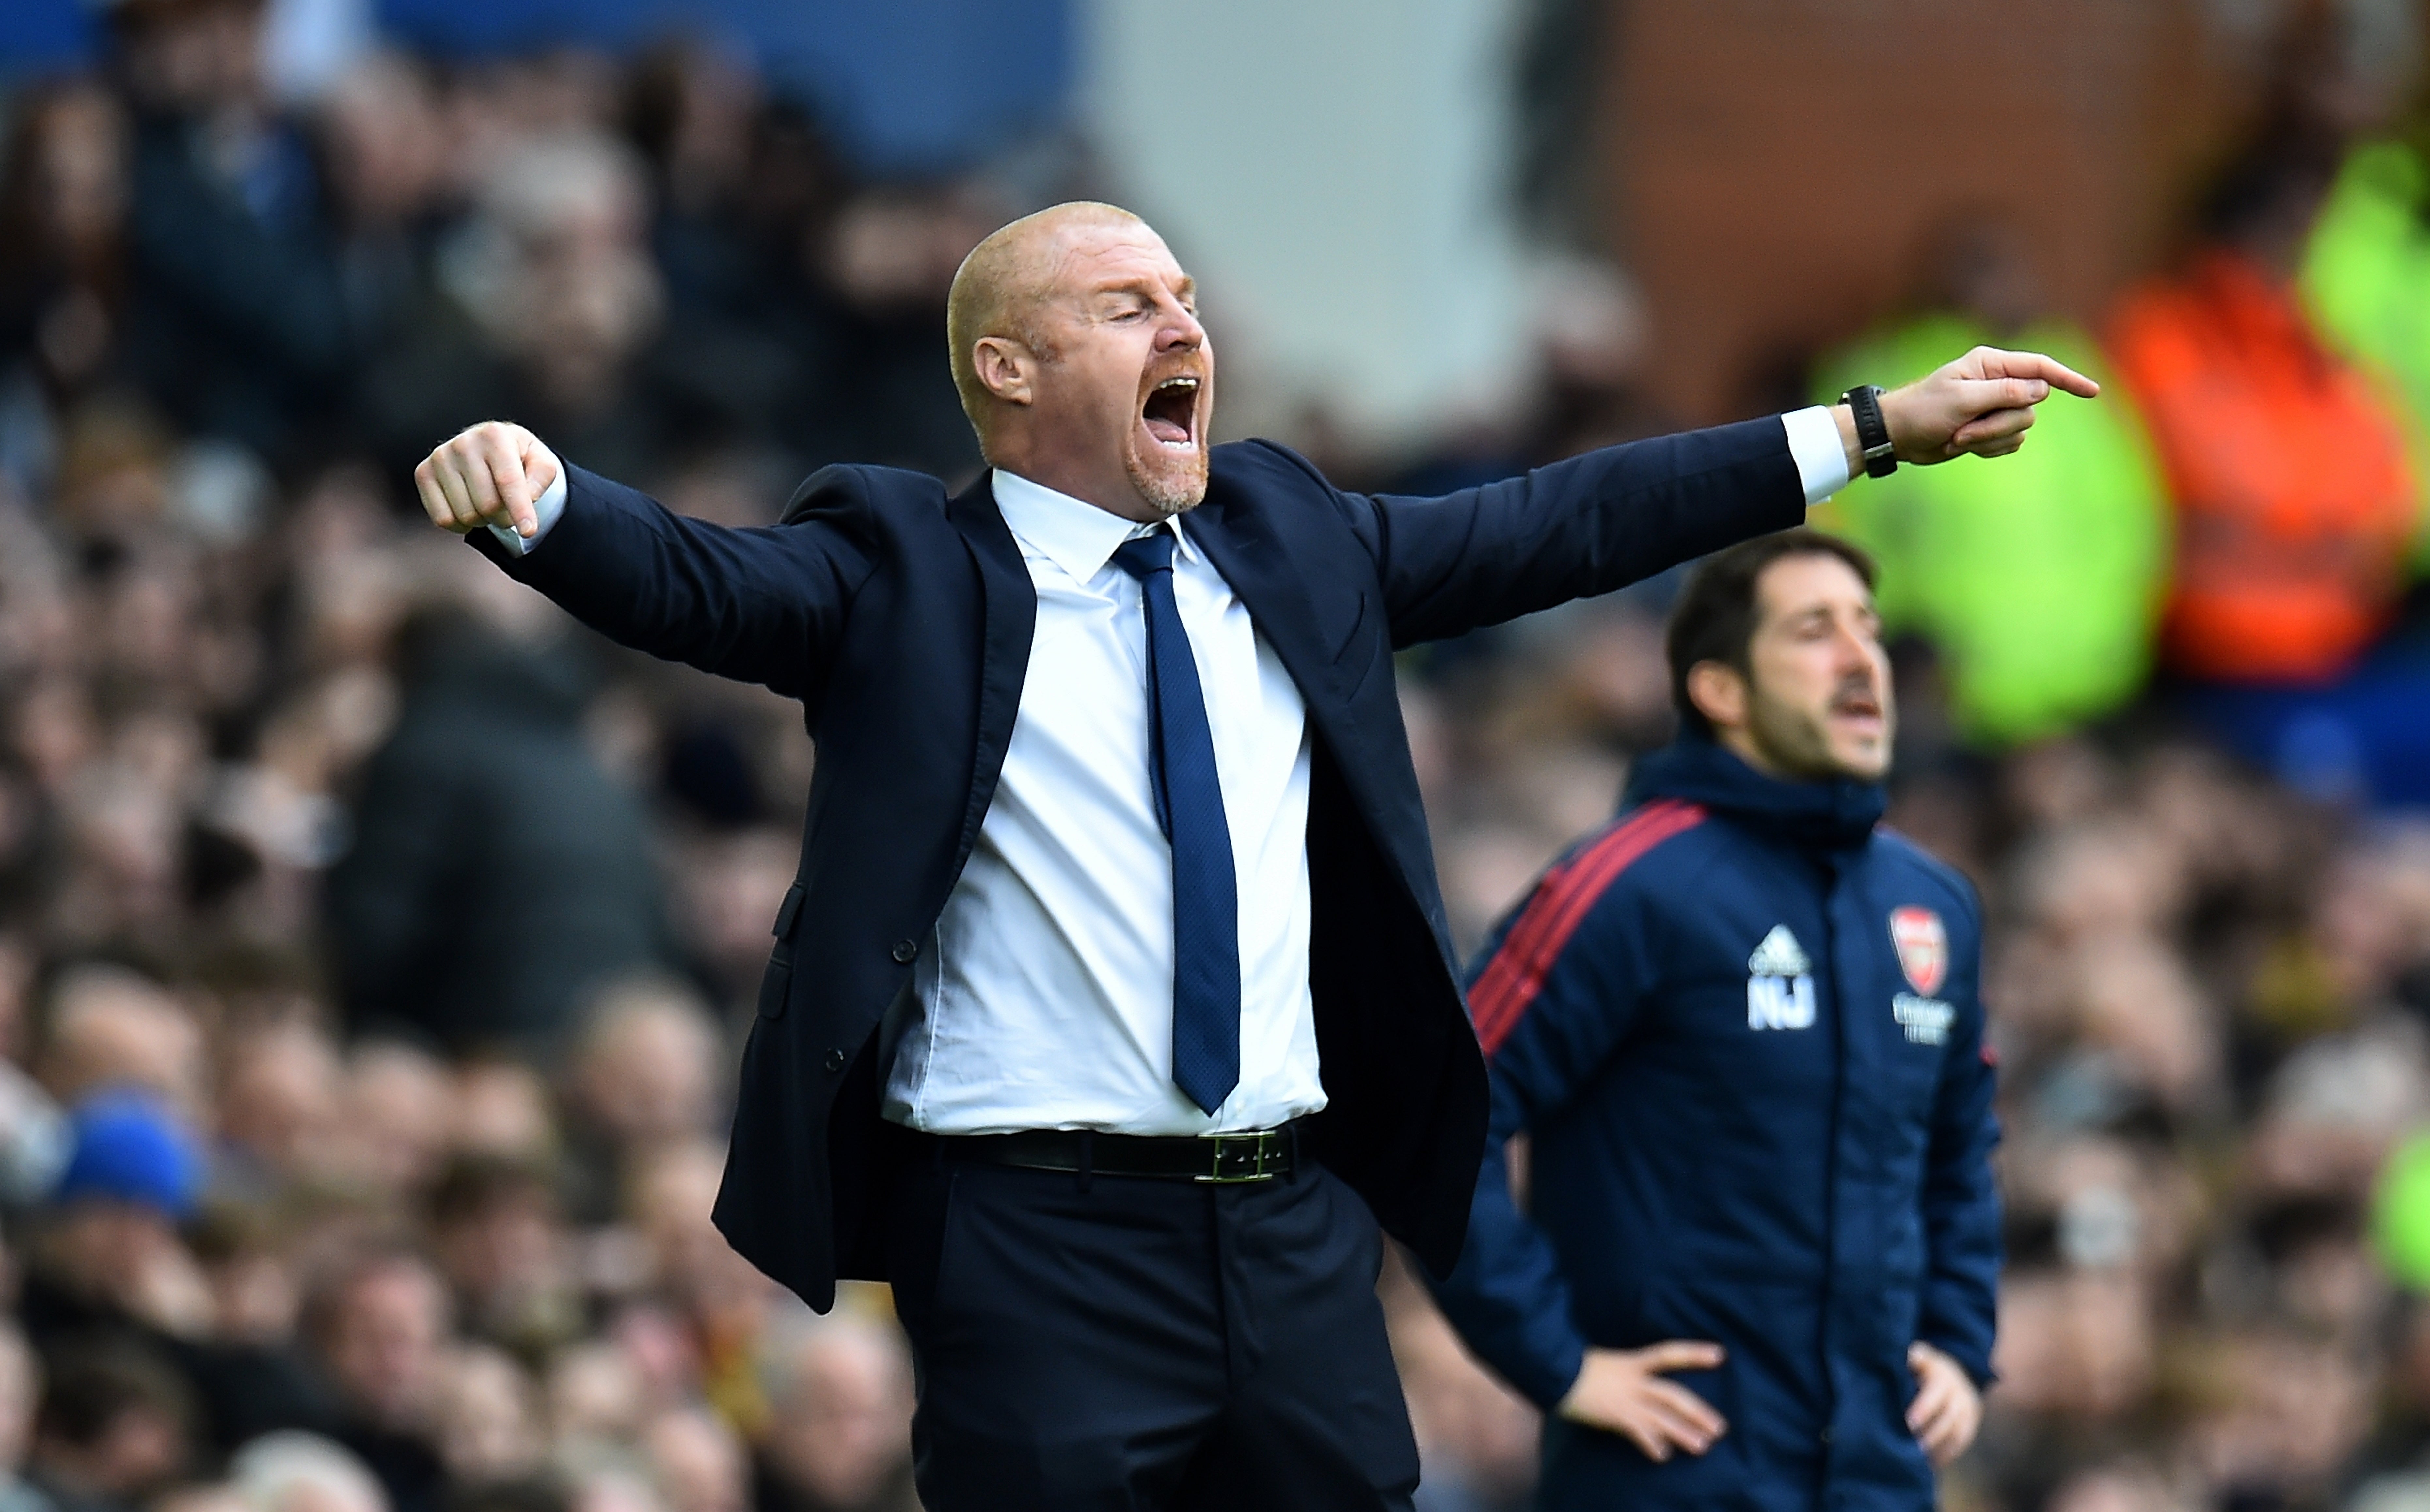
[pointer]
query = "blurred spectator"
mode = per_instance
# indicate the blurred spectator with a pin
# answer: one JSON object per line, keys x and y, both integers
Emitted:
{"x": 110, "y": 1027}
{"x": 2038, "y": 579}
{"x": 721, "y": 1305}
{"x": 2395, "y": 1465}
{"x": 698, "y": 1462}
{"x": 21, "y": 1387}
{"x": 597, "y": 1400}
{"x": 378, "y": 1325}
{"x": 489, "y": 1419}
{"x": 868, "y": 300}
{"x": 109, "y": 1257}
{"x": 2290, "y": 548}
{"x": 2296, "y": 502}
{"x": 839, "y": 1434}
{"x": 559, "y": 303}
{"x": 2287, "y": 1412}
{"x": 303, "y": 1472}
{"x": 113, "y": 1428}
{"x": 645, "y": 1076}
{"x": 720, "y": 236}
{"x": 2402, "y": 1214}
{"x": 284, "y": 1092}
{"x": 239, "y": 327}
{"x": 482, "y": 906}
{"x": 495, "y": 1229}
{"x": 501, "y": 1109}
{"x": 2366, "y": 273}
{"x": 63, "y": 196}
{"x": 384, "y": 148}
{"x": 399, "y": 1112}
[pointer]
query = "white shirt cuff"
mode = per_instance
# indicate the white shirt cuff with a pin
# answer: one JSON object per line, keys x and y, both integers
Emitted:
{"x": 1814, "y": 442}
{"x": 546, "y": 509}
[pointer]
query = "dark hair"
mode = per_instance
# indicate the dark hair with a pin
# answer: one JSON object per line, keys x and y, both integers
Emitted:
{"x": 473, "y": 1185}
{"x": 332, "y": 1291}
{"x": 1714, "y": 619}
{"x": 97, "y": 1380}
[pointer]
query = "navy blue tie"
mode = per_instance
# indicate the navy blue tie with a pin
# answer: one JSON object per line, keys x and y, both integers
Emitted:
{"x": 1190, "y": 807}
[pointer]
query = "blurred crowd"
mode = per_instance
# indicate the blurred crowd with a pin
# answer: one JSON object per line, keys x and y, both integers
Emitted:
{"x": 375, "y": 944}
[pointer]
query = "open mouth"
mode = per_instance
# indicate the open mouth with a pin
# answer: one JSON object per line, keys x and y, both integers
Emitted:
{"x": 1856, "y": 707}
{"x": 1172, "y": 411}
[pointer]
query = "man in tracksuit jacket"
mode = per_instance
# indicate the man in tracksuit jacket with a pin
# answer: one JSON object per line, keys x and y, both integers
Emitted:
{"x": 1740, "y": 1028}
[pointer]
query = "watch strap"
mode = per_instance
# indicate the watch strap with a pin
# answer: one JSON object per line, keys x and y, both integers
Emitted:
{"x": 1864, "y": 402}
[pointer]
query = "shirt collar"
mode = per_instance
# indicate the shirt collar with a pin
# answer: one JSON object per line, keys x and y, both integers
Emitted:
{"x": 1074, "y": 534}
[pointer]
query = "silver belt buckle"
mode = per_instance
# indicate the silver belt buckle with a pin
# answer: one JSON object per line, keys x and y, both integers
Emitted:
{"x": 1254, "y": 1155}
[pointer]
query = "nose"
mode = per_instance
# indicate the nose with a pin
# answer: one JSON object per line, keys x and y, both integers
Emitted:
{"x": 1858, "y": 651}
{"x": 1181, "y": 332}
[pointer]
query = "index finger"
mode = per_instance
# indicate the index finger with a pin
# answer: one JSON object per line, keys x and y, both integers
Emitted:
{"x": 1933, "y": 1398}
{"x": 1999, "y": 364}
{"x": 514, "y": 489}
{"x": 1942, "y": 1439}
{"x": 1682, "y": 1354}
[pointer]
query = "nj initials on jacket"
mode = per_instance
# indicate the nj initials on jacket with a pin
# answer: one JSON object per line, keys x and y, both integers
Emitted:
{"x": 1780, "y": 984}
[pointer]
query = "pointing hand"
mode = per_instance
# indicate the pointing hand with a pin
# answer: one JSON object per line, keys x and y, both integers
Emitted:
{"x": 1982, "y": 402}
{"x": 491, "y": 474}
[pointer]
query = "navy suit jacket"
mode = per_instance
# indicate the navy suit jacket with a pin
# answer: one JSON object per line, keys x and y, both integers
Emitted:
{"x": 902, "y": 619}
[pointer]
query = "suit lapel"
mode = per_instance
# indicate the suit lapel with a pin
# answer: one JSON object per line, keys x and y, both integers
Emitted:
{"x": 1244, "y": 549}
{"x": 1010, "y": 618}
{"x": 1239, "y": 537}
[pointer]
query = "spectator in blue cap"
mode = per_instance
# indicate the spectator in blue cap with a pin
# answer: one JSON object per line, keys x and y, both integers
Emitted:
{"x": 109, "y": 1255}
{"x": 129, "y": 1151}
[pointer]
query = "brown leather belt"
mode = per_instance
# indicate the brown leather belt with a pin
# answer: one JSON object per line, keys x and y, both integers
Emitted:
{"x": 1214, "y": 1160}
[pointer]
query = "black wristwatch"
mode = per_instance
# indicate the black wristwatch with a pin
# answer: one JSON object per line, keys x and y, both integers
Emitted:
{"x": 1873, "y": 432}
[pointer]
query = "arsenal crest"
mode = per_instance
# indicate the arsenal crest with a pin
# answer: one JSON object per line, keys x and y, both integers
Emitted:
{"x": 1922, "y": 948}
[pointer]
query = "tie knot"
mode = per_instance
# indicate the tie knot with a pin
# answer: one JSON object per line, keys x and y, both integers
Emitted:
{"x": 1150, "y": 553}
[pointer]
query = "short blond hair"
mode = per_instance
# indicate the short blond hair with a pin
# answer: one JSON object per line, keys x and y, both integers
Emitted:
{"x": 998, "y": 288}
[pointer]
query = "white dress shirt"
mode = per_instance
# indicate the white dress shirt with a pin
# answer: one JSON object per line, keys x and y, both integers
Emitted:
{"x": 1045, "y": 997}
{"x": 1047, "y": 1001}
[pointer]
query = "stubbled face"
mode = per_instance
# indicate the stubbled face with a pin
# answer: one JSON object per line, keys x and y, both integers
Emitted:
{"x": 1128, "y": 380}
{"x": 1818, "y": 705}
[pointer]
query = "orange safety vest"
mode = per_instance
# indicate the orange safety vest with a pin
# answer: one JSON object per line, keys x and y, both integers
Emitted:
{"x": 2294, "y": 500}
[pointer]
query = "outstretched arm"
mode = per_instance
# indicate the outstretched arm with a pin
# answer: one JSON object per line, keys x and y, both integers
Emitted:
{"x": 1608, "y": 518}
{"x": 764, "y": 605}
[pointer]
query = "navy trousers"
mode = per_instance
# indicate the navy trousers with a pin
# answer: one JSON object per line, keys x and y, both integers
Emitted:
{"x": 1135, "y": 1345}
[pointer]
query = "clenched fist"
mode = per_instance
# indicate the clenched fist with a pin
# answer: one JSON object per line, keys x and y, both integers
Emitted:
{"x": 492, "y": 473}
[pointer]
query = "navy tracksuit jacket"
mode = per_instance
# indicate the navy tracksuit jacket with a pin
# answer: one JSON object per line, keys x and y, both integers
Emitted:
{"x": 1741, "y": 1030}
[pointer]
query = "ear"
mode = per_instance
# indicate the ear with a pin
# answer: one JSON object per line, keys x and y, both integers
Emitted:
{"x": 1719, "y": 690}
{"x": 1005, "y": 368}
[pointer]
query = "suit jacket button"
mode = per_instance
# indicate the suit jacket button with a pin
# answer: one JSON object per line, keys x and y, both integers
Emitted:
{"x": 904, "y": 949}
{"x": 835, "y": 1060}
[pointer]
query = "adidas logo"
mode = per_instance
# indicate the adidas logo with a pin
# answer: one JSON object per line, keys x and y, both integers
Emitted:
{"x": 1779, "y": 955}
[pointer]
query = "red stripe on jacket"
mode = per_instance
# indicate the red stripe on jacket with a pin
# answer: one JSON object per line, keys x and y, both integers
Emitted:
{"x": 1515, "y": 975}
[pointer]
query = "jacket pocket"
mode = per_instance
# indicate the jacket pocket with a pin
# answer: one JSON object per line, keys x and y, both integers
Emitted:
{"x": 777, "y": 983}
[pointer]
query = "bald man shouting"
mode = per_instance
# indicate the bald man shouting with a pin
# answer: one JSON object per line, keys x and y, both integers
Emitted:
{"x": 1111, "y": 1015}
